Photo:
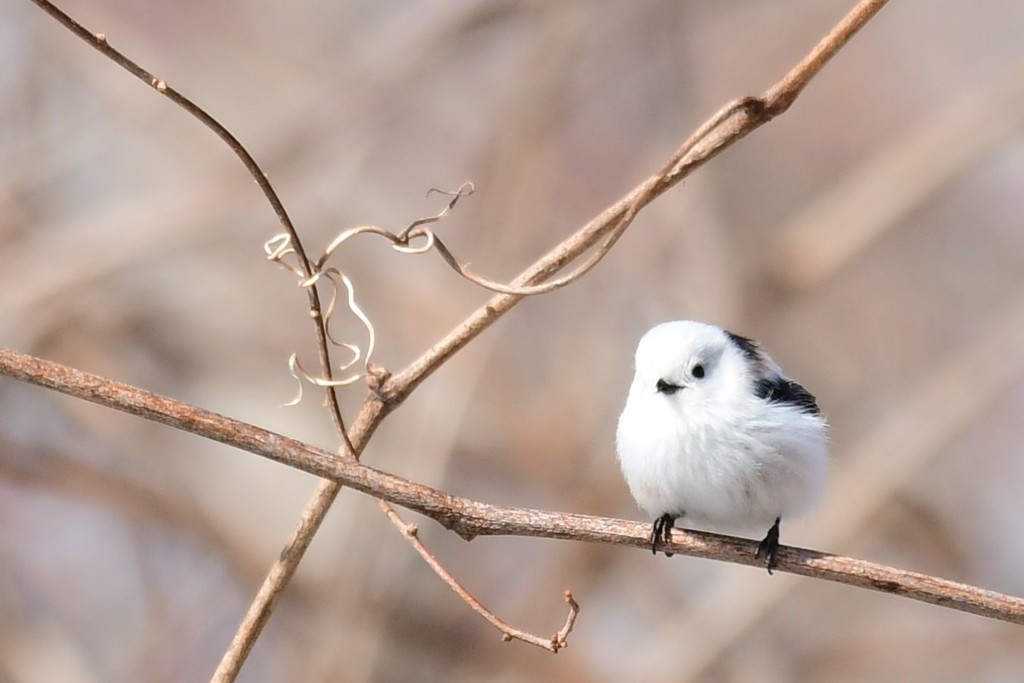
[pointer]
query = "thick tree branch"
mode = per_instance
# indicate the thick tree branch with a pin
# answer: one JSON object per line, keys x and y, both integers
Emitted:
{"x": 471, "y": 518}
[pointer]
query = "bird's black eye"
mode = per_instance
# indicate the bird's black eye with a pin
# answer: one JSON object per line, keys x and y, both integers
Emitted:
{"x": 666, "y": 388}
{"x": 698, "y": 371}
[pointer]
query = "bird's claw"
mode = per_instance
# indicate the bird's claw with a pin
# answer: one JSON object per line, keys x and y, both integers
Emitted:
{"x": 768, "y": 548}
{"x": 662, "y": 531}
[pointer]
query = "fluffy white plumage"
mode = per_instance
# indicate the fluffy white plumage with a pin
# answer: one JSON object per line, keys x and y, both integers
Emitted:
{"x": 714, "y": 432}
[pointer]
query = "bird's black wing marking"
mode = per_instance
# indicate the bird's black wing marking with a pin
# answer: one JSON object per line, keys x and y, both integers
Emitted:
{"x": 774, "y": 388}
{"x": 749, "y": 347}
{"x": 782, "y": 390}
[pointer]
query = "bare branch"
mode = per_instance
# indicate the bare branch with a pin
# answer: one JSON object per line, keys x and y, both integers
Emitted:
{"x": 276, "y": 580}
{"x": 730, "y": 124}
{"x": 758, "y": 111}
{"x": 554, "y": 643}
{"x": 471, "y": 518}
{"x": 99, "y": 41}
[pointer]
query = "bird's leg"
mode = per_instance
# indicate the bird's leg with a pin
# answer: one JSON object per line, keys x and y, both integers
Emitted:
{"x": 769, "y": 547}
{"x": 662, "y": 530}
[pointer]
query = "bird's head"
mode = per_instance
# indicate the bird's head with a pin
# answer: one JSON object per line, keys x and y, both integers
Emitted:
{"x": 690, "y": 364}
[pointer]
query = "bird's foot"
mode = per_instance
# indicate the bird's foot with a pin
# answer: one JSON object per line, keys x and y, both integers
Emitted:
{"x": 769, "y": 547}
{"x": 662, "y": 531}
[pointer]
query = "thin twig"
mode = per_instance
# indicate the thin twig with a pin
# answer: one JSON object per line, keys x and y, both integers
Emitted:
{"x": 759, "y": 111}
{"x": 279, "y": 576}
{"x": 553, "y": 643}
{"x": 99, "y": 41}
{"x": 731, "y": 123}
{"x": 471, "y": 518}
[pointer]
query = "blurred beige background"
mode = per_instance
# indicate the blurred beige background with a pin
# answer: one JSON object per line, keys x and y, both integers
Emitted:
{"x": 871, "y": 238}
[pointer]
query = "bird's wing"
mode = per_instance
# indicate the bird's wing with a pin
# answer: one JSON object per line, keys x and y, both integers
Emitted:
{"x": 761, "y": 362}
{"x": 779, "y": 389}
{"x": 771, "y": 384}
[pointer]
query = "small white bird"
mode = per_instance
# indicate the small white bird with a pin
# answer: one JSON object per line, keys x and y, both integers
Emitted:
{"x": 713, "y": 431}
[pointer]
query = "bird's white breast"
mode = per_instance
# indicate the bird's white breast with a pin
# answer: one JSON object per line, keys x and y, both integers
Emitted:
{"x": 735, "y": 468}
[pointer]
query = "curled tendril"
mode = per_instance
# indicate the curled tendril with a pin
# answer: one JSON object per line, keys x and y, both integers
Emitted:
{"x": 406, "y": 248}
{"x": 279, "y": 248}
{"x": 418, "y": 229}
{"x": 300, "y": 374}
{"x": 399, "y": 241}
{"x": 334, "y": 275}
{"x": 464, "y": 190}
{"x": 328, "y": 313}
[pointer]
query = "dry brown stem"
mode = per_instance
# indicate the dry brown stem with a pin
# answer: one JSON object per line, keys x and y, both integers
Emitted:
{"x": 471, "y": 518}
{"x": 554, "y": 643}
{"x": 99, "y": 41}
{"x": 727, "y": 126}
